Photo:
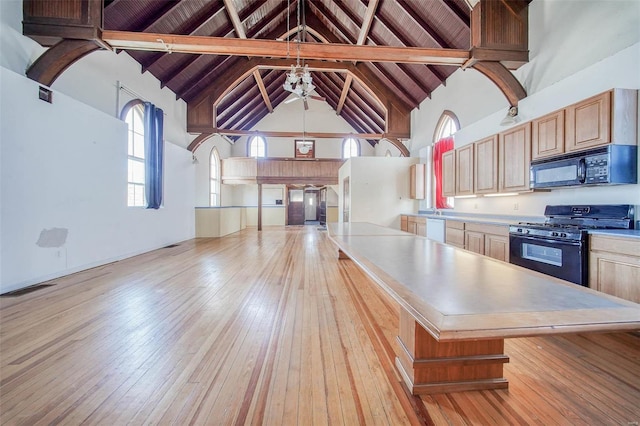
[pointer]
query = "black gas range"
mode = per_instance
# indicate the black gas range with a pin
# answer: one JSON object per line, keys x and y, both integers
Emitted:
{"x": 559, "y": 246}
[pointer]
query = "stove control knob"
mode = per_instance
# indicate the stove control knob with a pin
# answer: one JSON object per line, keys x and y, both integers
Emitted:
{"x": 527, "y": 231}
{"x": 563, "y": 235}
{"x": 554, "y": 234}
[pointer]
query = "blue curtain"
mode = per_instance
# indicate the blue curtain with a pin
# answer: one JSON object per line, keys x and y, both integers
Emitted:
{"x": 153, "y": 153}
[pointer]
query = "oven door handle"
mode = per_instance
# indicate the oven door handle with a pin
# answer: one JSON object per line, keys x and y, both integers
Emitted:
{"x": 546, "y": 240}
{"x": 582, "y": 171}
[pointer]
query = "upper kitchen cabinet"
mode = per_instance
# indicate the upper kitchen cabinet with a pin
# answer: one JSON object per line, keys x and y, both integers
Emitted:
{"x": 547, "y": 135}
{"x": 514, "y": 159}
{"x": 606, "y": 118}
{"x": 486, "y": 166}
{"x": 417, "y": 181}
{"x": 464, "y": 170}
{"x": 449, "y": 173}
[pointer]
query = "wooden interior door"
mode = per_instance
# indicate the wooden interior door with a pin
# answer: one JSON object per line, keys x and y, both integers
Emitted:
{"x": 295, "y": 209}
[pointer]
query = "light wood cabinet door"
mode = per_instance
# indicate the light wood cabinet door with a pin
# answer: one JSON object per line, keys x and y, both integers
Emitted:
{"x": 464, "y": 170}
{"x": 454, "y": 233}
{"x": 417, "y": 182}
{"x": 497, "y": 247}
{"x": 404, "y": 223}
{"x": 421, "y": 229}
{"x": 547, "y": 135}
{"x": 449, "y": 173}
{"x": 474, "y": 241}
{"x": 514, "y": 159}
{"x": 614, "y": 266}
{"x": 486, "y": 166}
{"x": 588, "y": 123}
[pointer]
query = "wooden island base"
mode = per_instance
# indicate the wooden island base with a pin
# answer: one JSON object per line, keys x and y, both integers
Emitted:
{"x": 428, "y": 366}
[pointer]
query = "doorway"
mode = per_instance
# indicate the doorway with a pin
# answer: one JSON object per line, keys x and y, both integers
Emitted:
{"x": 303, "y": 205}
{"x": 296, "y": 207}
{"x": 311, "y": 205}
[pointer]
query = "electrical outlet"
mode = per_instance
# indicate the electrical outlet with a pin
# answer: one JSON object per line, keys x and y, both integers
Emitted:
{"x": 515, "y": 206}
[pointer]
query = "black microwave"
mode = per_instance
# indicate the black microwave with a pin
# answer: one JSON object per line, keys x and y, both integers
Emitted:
{"x": 607, "y": 165}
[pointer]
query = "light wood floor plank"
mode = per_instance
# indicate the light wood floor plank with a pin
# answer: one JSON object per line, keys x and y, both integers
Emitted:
{"x": 269, "y": 328}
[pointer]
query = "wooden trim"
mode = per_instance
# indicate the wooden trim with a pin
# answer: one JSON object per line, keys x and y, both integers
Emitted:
{"x": 273, "y": 48}
{"x": 125, "y": 109}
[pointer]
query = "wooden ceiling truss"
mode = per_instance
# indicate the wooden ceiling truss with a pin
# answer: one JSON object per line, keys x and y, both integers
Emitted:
{"x": 373, "y": 61}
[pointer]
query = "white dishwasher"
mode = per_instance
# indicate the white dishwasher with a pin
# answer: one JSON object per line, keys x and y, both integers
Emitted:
{"x": 435, "y": 229}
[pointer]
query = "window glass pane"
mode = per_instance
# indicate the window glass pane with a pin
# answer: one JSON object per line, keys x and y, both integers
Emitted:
{"x": 139, "y": 195}
{"x": 350, "y": 148}
{"x": 138, "y": 145}
{"x": 138, "y": 125}
{"x": 257, "y": 147}
{"x": 130, "y": 144}
{"x": 135, "y": 152}
{"x": 136, "y": 171}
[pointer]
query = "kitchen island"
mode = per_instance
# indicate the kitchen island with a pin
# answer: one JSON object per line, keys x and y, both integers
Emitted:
{"x": 457, "y": 307}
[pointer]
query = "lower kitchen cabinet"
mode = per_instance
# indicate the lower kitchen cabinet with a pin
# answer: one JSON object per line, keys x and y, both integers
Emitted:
{"x": 614, "y": 266}
{"x": 454, "y": 233}
{"x": 414, "y": 224}
{"x": 490, "y": 240}
{"x": 497, "y": 246}
{"x": 474, "y": 241}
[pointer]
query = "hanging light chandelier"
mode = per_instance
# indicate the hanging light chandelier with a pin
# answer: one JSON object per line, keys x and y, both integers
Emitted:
{"x": 299, "y": 81}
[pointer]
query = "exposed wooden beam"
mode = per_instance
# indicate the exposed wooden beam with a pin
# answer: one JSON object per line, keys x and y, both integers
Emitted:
{"x": 198, "y": 141}
{"x": 504, "y": 79}
{"x": 367, "y": 21}
{"x": 193, "y": 26}
{"x": 316, "y": 135}
{"x": 278, "y": 49}
{"x": 437, "y": 38}
{"x": 235, "y": 18}
{"x": 52, "y": 63}
{"x": 458, "y": 12}
{"x": 167, "y": 9}
{"x": 263, "y": 90}
{"x": 343, "y": 95}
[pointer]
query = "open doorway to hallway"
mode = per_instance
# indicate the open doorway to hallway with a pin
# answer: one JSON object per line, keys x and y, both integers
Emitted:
{"x": 304, "y": 205}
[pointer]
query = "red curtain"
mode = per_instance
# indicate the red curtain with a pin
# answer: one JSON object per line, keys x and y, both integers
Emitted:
{"x": 439, "y": 148}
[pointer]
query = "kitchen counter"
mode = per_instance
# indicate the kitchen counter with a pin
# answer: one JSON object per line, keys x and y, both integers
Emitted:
{"x": 622, "y": 233}
{"x": 458, "y": 304}
{"x": 490, "y": 220}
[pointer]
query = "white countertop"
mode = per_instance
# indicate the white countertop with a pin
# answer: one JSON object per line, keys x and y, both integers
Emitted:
{"x": 456, "y": 294}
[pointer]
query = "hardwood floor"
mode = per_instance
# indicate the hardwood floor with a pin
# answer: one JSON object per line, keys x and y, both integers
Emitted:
{"x": 268, "y": 328}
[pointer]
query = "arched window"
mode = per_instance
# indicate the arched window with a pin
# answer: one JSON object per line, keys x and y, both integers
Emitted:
{"x": 257, "y": 147}
{"x": 443, "y": 142}
{"x": 350, "y": 148}
{"x": 447, "y": 126}
{"x": 133, "y": 115}
{"x": 214, "y": 178}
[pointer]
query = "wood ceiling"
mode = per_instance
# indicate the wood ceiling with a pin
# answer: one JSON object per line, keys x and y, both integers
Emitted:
{"x": 426, "y": 23}
{"x": 373, "y": 61}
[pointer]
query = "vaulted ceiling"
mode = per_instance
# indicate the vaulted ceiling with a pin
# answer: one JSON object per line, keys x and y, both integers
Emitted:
{"x": 418, "y": 23}
{"x": 373, "y": 61}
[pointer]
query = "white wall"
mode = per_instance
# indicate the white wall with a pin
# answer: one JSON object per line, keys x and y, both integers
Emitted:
{"x": 379, "y": 189}
{"x": 565, "y": 66}
{"x": 64, "y": 165}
